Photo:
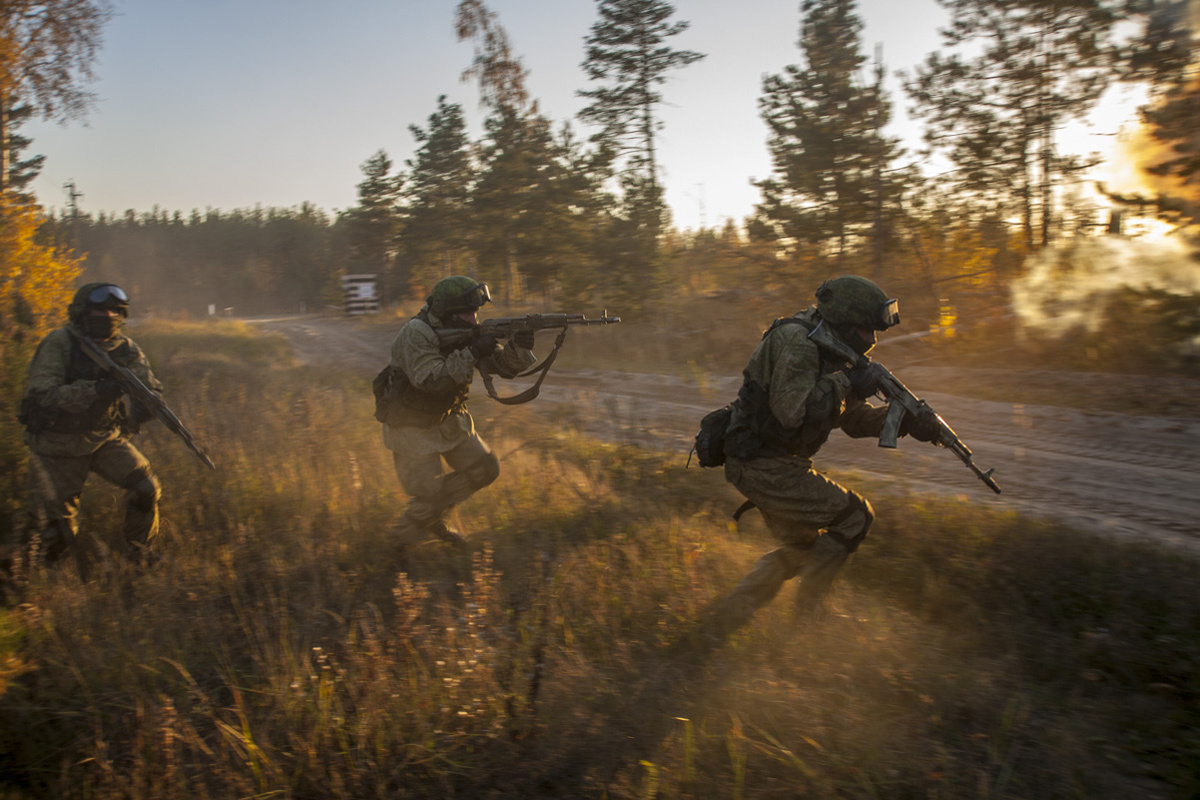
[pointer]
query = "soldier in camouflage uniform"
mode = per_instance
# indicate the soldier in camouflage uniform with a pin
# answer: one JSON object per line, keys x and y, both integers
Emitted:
{"x": 430, "y": 423}
{"x": 792, "y": 396}
{"x": 77, "y": 421}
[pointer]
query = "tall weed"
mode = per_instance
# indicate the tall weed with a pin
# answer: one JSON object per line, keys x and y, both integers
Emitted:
{"x": 286, "y": 648}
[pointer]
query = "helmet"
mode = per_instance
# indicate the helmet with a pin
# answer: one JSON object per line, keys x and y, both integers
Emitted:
{"x": 456, "y": 294}
{"x": 856, "y": 302}
{"x": 98, "y": 295}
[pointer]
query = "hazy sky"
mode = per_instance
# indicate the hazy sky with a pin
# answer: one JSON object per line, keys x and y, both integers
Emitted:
{"x": 234, "y": 103}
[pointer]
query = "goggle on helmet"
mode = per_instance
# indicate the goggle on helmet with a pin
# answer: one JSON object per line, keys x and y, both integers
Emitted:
{"x": 108, "y": 296}
{"x": 476, "y": 296}
{"x": 889, "y": 314}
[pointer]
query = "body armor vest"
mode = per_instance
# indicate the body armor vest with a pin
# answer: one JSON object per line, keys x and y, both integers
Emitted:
{"x": 99, "y": 416}
{"x": 421, "y": 408}
{"x": 762, "y": 435}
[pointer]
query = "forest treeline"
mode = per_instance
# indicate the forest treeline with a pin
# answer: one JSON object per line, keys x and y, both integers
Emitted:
{"x": 548, "y": 216}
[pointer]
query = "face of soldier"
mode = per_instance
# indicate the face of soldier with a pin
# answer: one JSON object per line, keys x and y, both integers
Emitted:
{"x": 468, "y": 318}
{"x": 866, "y": 340}
{"x": 101, "y": 323}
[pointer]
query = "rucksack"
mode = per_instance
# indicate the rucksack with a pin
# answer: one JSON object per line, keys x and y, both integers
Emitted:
{"x": 387, "y": 387}
{"x": 709, "y": 445}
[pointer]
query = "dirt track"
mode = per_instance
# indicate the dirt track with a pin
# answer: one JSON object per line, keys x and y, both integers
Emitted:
{"x": 1127, "y": 475}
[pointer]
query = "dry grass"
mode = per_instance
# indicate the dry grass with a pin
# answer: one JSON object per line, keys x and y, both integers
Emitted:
{"x": 280, "y": 651}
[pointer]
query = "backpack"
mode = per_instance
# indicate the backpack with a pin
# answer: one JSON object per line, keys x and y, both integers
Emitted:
{"x": 709, "y": 445}
{"x": 387, "y": 387}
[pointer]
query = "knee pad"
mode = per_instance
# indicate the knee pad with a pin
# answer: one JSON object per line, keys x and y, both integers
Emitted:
{"x": 484, "y": 471}
{"x": 144, "y": 490}
{"x": 858, "y": 508}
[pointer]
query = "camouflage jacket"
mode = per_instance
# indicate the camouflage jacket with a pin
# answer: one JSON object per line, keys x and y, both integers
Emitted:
{"x": 64, "y": 415}
{"x": 445, "y": 378}
{"x": 792, "y": 397}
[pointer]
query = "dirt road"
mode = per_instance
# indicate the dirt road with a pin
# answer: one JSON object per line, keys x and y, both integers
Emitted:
{"x": 1126, "y": 475}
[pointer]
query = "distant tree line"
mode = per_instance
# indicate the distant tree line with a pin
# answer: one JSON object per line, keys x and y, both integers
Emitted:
{"x": 545, "y": 215}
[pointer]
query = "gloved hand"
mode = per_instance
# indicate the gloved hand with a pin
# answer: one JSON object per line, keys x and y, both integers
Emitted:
{"x": 483, "y": 345}
{"x": 108, "y": 390}
{"x": 864, "y": 381}
{"x": 523, "y": 339}
{"x": 923, "y": 427}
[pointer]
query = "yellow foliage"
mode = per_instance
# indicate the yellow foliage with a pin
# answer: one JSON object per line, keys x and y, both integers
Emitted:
{"x": 36, "y": 280}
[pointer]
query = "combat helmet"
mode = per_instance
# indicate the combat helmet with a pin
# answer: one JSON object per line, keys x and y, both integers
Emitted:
{"x": 457, "y": 294}
{"x": 853, "y": 301}
{"x": 98, "y": 295}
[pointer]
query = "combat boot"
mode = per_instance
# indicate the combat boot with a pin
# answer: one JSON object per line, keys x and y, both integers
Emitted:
{"x": 441, "y": 530}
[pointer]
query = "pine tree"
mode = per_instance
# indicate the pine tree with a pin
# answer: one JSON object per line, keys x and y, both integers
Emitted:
{"x": 21, "y": 171}
{"x": 832, "y": 181}
{"x": 1166, "y": 57}
{"x": 438, "y": 225}
{"x": 372, "y": 225}
{"x": 531, "y": 195}
{"x": 1035, "y": 65}
{"x": 628, "y": 53}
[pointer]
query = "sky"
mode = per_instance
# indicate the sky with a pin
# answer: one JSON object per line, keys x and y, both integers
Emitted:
{"x": 227, "y": 104}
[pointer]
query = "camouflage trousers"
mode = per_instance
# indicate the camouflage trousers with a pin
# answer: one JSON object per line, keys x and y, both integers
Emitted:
{"x": 433, "y": 491}
{"x": 817, "y": 522}
{"x": 56, "y": 484}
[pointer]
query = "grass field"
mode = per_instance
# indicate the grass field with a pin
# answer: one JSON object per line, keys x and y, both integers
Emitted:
{"x": 281, "y": 651}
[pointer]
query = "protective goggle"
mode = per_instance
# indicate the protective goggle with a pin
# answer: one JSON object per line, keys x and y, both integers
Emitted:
{"x": 889, "y": 315}
{"x": 476, "y": 296}
{"x": 108, "y": 294}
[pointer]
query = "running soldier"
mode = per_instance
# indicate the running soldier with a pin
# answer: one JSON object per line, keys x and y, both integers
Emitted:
{"x": 426, "y": 421}
{"x": 792, "y": 396}
{"x": 78, "y": 421}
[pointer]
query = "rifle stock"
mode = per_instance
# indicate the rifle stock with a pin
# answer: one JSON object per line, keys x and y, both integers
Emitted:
{"x": 141, "y": 393}
{"x": 901, "y": 402}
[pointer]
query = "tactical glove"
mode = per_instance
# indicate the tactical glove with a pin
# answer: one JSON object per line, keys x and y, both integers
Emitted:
{"x": 108, "y": 390}
{"x": 923, "y": 427}
{"x": 523, "y": 339}
{"x": 864, "y": 381}
{"x": 483, "y": 346}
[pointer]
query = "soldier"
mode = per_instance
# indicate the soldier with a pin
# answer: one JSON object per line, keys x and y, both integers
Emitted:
{"x": 78, "y": 421}
{"x": 792, "y": 396}
{"x": 429, "y": 422}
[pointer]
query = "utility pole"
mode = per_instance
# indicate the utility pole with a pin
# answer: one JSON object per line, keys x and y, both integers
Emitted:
{"x": 72, "y": 198}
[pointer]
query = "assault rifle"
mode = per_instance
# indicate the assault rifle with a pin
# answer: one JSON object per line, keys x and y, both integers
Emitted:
{"x": 901, "y": 401}
{"x": 504, "y": 327}
{"x": 140, "y": 393}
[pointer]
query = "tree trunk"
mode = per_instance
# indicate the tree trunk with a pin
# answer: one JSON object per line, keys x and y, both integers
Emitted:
{"x": 4, "y": 149}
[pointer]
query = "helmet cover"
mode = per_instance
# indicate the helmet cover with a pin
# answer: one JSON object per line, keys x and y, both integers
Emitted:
{"x": 855, "y": 301}
{"x": 457, "y": 294}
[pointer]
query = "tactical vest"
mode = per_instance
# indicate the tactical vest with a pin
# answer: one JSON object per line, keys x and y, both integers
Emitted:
{"x": 411, "y": 406}
{"x": 99, "y": 416}
{"x": 761, "y": 434}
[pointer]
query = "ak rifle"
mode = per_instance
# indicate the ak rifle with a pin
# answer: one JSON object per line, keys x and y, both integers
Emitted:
{"x": 141, "y": 394}
{"x": 505, "y": 327}
{"x": 901, "y": 402}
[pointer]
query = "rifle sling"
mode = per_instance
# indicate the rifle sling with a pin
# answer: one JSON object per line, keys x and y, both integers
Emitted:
{"x": 532, "y": 391}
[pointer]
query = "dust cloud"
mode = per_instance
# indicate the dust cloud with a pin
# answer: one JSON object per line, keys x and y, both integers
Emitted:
{"x": 1070, "y": 286}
